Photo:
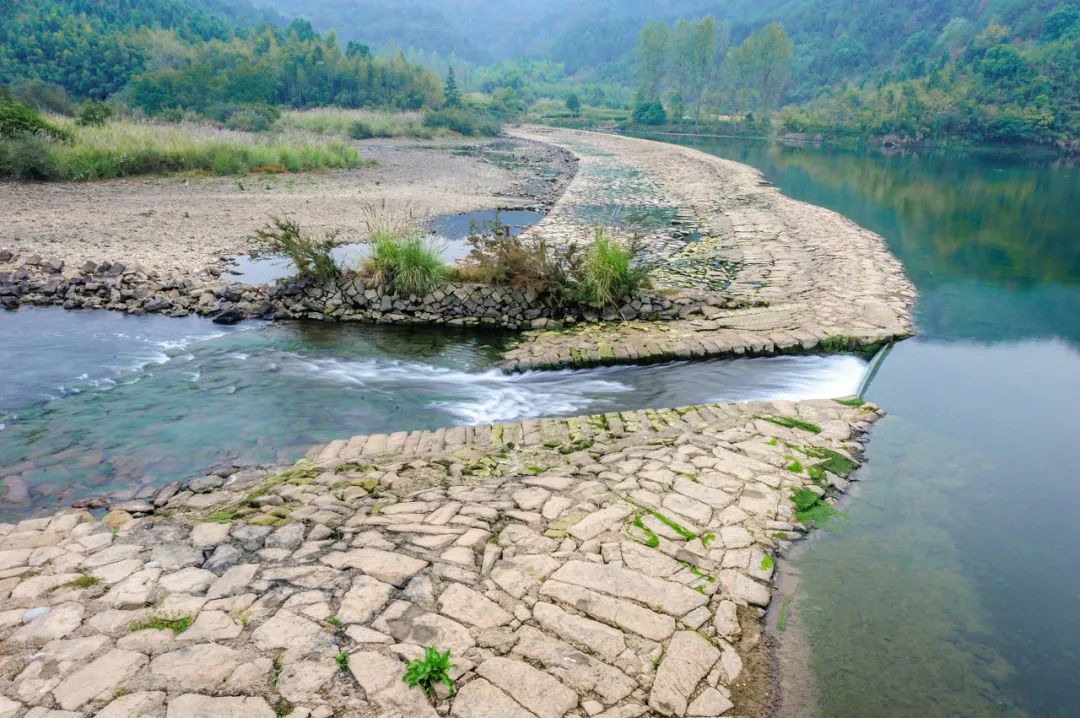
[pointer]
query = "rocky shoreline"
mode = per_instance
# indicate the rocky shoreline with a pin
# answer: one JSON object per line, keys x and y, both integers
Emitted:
{"x": 609, "y": 565}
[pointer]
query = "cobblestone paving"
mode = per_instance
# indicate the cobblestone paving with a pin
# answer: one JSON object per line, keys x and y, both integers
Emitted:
{"x": 611, "y": 565}
{"x": 800, "y": 277}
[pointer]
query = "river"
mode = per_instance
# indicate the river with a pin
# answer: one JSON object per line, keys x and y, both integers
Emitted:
{"x": 953, "y": 586}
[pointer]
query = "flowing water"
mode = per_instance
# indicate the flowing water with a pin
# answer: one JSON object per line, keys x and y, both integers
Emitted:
{"x": 953, "y": 587}
{"x": 101, "y": 402}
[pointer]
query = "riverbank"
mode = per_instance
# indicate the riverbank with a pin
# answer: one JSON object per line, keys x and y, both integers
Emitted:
{"x": 608, "y": 565}
{"x": 185, "y": 225}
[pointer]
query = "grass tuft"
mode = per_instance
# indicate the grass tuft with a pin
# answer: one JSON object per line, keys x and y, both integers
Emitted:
{"x": 176, "y": 625}
{"x": 282, "y": 237}
{"x": 403, "y": 259}
{"x": 424, "y": 673}
{"x": 84, "y": 581}
{"x": 790, "y": 422}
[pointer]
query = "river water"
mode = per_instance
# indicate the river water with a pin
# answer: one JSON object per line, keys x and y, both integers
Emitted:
{"x": 953, "y": 586}
{"x": 100, "y": 402}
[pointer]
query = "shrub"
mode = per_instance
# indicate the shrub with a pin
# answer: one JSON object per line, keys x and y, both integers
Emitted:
{"x": 28, "y": 157}
{"x": 93, "y": 113}
{"x": 17, "y": 119}
{"x": 245, "y": 117}
{"x": 497, "y": 257}
{"x": 405, "y": 261}
{"x": 649, "y": 112}
{"x": 608, "y": 272}
{"x": 42, "y": 96}
{"x": 463, "y": 121}
{"x": 282, "y": 237}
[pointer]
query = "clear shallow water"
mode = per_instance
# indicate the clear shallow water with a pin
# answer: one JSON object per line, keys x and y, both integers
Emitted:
{"x": 449, "y": 232}
{"x": 100, "y": 402}
{"x": 953, "y": 588}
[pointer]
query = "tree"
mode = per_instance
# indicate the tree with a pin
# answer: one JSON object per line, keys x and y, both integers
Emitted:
{"x": 652, "y": 56}
{"x": 451, "y": 94}
{"x": 573, "y": 103}
{"x": 774, "y": 52}
{"x": 648, "y": 111}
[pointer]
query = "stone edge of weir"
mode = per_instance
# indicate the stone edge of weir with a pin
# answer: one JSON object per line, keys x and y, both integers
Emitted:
{"x": 608, "y": 565}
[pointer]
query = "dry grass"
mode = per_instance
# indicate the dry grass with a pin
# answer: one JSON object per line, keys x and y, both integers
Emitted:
{"x": 359, "y": 124}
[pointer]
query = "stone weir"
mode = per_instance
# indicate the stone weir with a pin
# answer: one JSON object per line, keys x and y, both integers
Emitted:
{"x": 614, "y": 565}
{"x": 797, "y": 277}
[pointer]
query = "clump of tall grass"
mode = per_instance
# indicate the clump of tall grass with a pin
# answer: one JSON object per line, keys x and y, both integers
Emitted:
{"x": 126, "y": 148}
{"x": 359, "y": 124}
{"x": 609, "y": 273}
{"x": 464, "y": 122}
{"x": 402, "y": 257}
{"x": 282, "y": 237}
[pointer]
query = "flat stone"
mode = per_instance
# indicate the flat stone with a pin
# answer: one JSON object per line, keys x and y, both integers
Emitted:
{"x": 537, "y": 691}
{"x": 626, "y": 615}
{"x": 597, "y": 637}
{"x": 599, "y": 521}
{"x": 289, "y": 537}
{"x": 711, "y": 702}
{"x": 471, "y": 607}
{"x": 411, "y": 624}
{"x": 687, "y": 659}
{"x": 208, "y": 535}
{"x": 235, "y": 580}
{"x": 299, "y": 682}
{"x": 143, "y": 704}
{"x": 191, "y": 705}
{"x": 224, "y": 556}
{"x": 297, "y": 635}
{"x": 211, "y": 626}
{"x": 61, "y": 621}
{"x": 187, "y": 580}
{"x": 134, "y": 591}
{"x": 479, "y": 699}
{"x": 38, "y": 586}
{"x": 100, "y": 676}
{"x": 519, "y": 574}
{"x": 364, "y": 599}
{"x": 202, "y": 667}
{"x": 384, "y": 565}
{"x": 667, "y": 596}
{"x": 584, "y": 673}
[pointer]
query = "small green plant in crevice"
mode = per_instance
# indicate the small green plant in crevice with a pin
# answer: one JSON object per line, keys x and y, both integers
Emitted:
{"x": 790, "y": 422}
{"x": 84, "y": 581}
{"x": 794, "y": 466}
{"x": 282, "y": 237}
{"x": 342, "y": 660}
{"x": 332, "y": 620}
{"x": 674, "y": 526}
{"x": 772, "y": 442}
{"x": 282, "y": 708}
{"x": 767, "y": 562}
{"x": 176, "y": 625}
{"x": 424, "y": 673}
{"x": 651, "y": 539}
{"x": 119, "y": 693}
{"x": 854, "y": 401}
{"x": 707, "y": 538}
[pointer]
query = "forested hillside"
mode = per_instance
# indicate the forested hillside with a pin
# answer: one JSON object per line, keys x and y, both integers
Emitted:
{"x": 192, "y": 55}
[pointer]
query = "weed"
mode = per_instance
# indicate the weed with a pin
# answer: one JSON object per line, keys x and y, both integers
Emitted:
{"x": 282, "y": 237}
{"x": 176, "y": 625}
{"x": 766, "y": 562}
{"x": 707, "y": 538}
{"x": 282, "y": 708}
{"x": 651, "y": 539}
{"x": 674, "y": 526}
{"x": 854, "y": 401}
{"x": 790, "y": 422}
{"x": 332, "y": 620}
{"x": 342, "y": 660}
{"x": 84, "y": 581}
{"x": 427, "y": 671}
{"x": 119, "y": 693}
{"x": 772, "y": 442}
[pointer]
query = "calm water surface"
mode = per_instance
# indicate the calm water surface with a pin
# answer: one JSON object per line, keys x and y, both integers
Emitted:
{"x": 953, "y": 587}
